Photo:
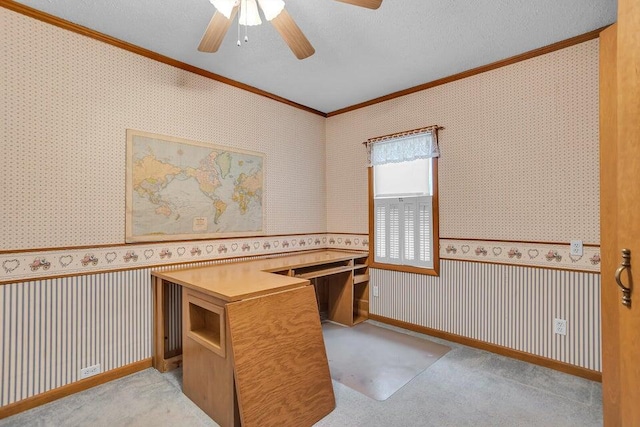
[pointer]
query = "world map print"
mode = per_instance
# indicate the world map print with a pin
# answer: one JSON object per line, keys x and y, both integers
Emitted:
{"x": 179, "y": 189}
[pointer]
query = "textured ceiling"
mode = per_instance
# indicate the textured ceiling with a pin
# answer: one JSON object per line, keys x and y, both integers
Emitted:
{"x": 360, "y": 54}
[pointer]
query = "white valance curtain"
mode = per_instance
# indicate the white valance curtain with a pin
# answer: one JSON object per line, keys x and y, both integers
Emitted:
{"x": 403, "y": 147}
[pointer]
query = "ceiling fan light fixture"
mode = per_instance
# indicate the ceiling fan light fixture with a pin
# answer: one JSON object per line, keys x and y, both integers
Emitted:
{"x": 271, "y": 8}
{"x": 274, "y": 11}
{"x": 249, "y": 13}
{"x": 225, "y": 7}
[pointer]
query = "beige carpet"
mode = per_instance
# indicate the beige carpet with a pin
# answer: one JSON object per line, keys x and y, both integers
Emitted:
{"x": 376, "y": 361}
{"x": 466, "y": 387}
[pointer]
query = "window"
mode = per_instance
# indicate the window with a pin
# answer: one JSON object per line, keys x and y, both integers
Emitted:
{"x": 403, "y": 180}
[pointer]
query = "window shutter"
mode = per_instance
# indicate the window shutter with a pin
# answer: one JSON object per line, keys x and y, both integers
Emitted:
{"x": 380, "y": 232}
{"x": 395, "y": 231}
{"x": 409, "y": 239}
{"x": 425, "y": 233}
{"x": 387, "y": 237}
{"x": 403, "y": 231}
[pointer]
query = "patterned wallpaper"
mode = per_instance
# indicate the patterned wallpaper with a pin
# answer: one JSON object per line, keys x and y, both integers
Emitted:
{"x": 519, "y": 146}
{"x": 66, "y": 103}
{"x": 519, "y": 151}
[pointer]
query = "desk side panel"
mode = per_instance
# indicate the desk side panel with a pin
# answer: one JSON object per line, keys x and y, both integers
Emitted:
{"x": 281, "y": 368}
{"x": 341, "y": 298}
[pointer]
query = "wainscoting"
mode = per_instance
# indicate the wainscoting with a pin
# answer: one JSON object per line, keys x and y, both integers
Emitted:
{"x": 52, "y": 328}
{"x": 506, "y": 305}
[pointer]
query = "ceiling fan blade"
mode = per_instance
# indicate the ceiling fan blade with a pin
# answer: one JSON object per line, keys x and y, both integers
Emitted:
{"x": 369, "y": 4}
{"x": 215, "y": 32}
{"x": 292, "y": 35}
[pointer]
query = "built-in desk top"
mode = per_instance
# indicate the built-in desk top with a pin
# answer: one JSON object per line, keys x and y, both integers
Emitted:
{"x": 241, "y": 280}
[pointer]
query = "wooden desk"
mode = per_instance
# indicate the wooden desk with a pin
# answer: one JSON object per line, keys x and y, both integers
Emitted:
{"x": 252, "y": 342}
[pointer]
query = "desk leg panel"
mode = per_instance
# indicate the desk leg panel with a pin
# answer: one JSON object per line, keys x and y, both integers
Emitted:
{"x": 166, "y": 325}
{"x": 158, "y": 324}
{"x": 281, "y": 369}
{"x": 207, "y": 376}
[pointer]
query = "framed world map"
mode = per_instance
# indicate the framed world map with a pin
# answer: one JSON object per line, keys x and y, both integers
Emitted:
{"x": 179, "y": 189}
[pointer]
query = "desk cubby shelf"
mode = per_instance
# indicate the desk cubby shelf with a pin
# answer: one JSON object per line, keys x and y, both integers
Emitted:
{"x": 205, "y": 324}
{"x": 360, "y": 289}
{"x": 360, "y": 278}
{"x": 324, "y": 272}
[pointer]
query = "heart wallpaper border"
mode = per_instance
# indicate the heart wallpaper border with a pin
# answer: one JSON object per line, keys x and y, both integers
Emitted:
{"x": 34, "y": 265}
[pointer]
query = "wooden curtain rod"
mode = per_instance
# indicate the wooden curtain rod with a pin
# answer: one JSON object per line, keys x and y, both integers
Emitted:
{"x": 400, "y": 134}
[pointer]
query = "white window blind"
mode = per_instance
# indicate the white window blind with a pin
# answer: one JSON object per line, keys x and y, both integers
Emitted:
{"x": 403, "y": 179}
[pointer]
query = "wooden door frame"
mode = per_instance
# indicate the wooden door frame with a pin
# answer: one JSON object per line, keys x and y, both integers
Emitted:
{"x": 628, "y": 155}
{"x": 609, "y": 226}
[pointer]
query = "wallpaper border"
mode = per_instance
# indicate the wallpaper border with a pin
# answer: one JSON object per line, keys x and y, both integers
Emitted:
{"x": 546, "y": 255}
{"x": 44, "y": 264}
{"x": 50, "y": 263}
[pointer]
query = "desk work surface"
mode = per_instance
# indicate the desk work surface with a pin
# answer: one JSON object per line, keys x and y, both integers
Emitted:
{"x": 241, "y": 280}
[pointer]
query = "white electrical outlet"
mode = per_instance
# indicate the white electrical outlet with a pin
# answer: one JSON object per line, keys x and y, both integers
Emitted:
{"x": 560, "y": 326}
{"x": 90, "y": 371}
{"x": 376, "y": 291}
{"x": 576, "y": 247}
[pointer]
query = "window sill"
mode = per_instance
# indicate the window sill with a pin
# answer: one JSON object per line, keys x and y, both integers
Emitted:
{"x": 407, "y": 268}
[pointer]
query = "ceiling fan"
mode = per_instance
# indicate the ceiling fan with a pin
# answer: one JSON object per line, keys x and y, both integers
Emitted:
{"x": 273, "y": 11}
